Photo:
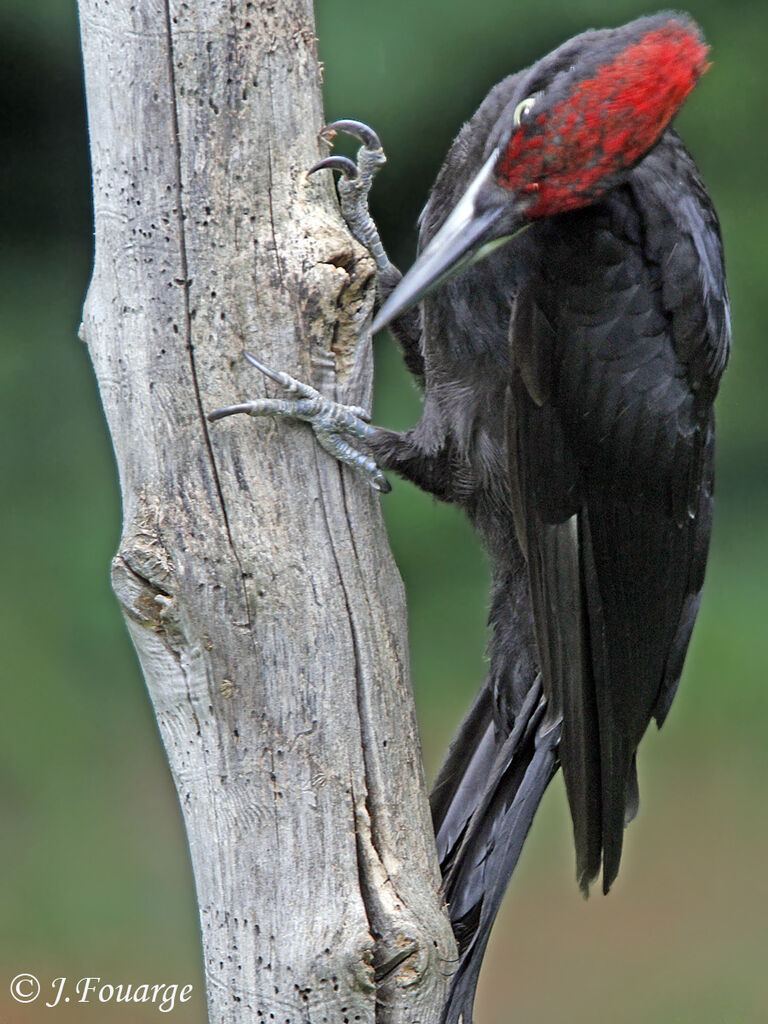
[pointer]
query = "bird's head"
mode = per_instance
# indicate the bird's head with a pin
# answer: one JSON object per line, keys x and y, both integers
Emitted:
{"x": 576, "y": 124}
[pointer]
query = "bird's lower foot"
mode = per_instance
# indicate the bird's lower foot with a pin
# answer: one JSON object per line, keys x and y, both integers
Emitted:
{"x": 340, "y": 429}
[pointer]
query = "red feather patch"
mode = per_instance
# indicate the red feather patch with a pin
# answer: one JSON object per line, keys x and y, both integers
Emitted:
{"x": 607, "y": 124}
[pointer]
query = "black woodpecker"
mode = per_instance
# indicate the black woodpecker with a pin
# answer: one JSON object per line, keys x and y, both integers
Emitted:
{"x": 571, "y": 331}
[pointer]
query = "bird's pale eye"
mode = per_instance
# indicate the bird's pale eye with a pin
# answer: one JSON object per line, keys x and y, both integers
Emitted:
{"x": 522, "y": 110}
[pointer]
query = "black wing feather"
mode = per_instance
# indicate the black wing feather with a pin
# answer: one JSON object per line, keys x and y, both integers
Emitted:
{"x": 611, "y": 464}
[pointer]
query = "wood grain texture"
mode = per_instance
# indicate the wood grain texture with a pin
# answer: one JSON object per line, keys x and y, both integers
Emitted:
{"x": 253, "y": 571}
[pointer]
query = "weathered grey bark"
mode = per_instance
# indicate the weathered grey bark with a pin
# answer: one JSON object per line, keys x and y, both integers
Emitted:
{"x": 254, "y": 573}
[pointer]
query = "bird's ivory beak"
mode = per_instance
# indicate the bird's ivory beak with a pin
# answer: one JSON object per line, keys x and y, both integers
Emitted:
{"x": 454, "y": 247}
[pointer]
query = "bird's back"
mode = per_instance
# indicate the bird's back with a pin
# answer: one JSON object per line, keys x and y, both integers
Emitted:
{"x": 572, "y": 374}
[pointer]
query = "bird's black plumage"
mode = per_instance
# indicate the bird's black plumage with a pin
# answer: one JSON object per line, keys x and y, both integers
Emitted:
{"x": 568, "y": 382}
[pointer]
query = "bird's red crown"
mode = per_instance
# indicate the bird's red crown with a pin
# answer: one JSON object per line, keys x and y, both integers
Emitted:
{"x": 564, "y": 156}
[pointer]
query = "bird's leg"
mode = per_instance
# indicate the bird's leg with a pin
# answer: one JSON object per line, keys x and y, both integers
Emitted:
{"x": 344, "y": 431}
{"x": 340, "y": 429}
{"x": 356, "y": 178}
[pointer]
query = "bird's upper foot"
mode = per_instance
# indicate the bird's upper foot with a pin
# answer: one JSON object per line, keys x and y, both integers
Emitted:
{"x": 355, "y": 184}
{"x": 340, "y": 429}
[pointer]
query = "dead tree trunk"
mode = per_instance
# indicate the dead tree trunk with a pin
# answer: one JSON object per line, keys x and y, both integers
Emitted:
{"x": 253, "y": 572}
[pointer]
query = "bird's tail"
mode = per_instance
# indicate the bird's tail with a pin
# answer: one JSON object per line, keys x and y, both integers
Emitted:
{"x": 483, "y": 803}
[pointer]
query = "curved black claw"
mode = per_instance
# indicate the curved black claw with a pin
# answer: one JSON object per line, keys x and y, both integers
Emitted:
{"x": 361, "y": 131}
{"x": 337, "y": 163}
{"x": 272, "y": 374}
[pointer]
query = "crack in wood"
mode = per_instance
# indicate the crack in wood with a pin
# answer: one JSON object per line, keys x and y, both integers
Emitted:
{"x": 180, "y": 214}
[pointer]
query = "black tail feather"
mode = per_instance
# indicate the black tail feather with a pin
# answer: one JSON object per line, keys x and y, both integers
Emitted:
{"x": 461, "y": 782}
{"x": 483, "y": 805}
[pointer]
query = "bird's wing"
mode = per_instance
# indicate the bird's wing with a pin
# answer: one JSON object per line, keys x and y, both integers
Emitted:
{"x": 611, "y": 471}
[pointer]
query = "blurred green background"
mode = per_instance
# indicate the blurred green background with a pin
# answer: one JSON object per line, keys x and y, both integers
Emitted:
{"x": 94, "y": 874}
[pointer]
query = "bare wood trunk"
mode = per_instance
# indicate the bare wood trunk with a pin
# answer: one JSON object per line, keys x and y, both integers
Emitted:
{"x": 253, "y": 572}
